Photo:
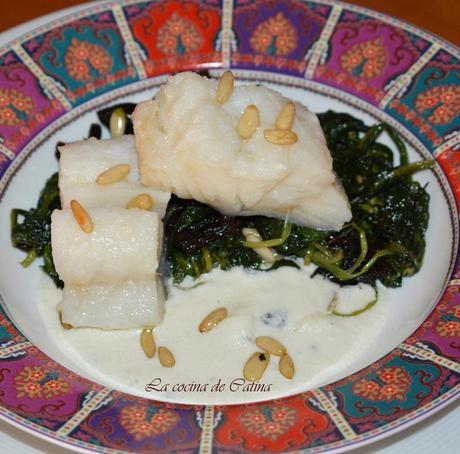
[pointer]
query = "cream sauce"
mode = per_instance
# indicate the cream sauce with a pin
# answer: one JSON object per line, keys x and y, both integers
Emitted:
{"x": 288, "y": 305}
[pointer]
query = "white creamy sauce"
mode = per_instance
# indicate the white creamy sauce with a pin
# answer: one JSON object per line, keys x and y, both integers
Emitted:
{"x": 287, "y": 304}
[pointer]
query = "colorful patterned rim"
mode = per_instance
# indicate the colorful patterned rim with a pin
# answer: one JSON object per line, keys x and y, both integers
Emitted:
{"x": 405, "y": 73}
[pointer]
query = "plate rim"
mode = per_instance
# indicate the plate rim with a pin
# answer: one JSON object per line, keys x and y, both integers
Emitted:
{"x": 86, "y": 8}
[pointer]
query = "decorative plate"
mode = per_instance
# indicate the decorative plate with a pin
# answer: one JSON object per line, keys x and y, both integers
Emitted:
{"x": 345, "y": 55}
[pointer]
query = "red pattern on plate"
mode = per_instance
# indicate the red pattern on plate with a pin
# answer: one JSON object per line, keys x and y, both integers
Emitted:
{"x": 278, "y": 425}
{"x": 449, "y": 160}
{"x": 176, "y": 36}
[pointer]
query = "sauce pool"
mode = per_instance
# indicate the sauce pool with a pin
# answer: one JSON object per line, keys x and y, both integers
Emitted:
{"x": 288, "y": 305}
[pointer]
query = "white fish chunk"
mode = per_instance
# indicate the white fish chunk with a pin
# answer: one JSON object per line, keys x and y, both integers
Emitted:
{"x": 114, "y": 306}
{"x": 125, "y": 245}
{"x": 188, "y": 144}
{"x": 80, "y": 164}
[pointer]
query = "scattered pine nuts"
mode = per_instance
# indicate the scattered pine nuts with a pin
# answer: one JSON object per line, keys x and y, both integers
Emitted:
{"x": 166, "y": 357}
{"x": 255, "y": 366}
{"x": 117, "y": 122}
{"x": 225, "y": 87}
{"x": 280, "y": 136}
{"x": 114, "y": 174}
{"x": 270, "y": 345}
{"x": 286, "y": 366}
{"x": 286, "y": 117}
{"x": 81, "y": 216}
{"x": 64, "y": 325}
{"x": 141, "y": 201}
{"x": 249, "y": 122}
{"x": 148, "y": 342}
{"x": 265, "y": 253}
{"x": 212, "y": 319}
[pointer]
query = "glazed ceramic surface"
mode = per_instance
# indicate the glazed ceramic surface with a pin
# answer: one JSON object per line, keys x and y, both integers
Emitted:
{"x": 327, "y": 55}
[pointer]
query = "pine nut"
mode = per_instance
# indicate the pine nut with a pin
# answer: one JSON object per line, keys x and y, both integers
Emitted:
{"x": 286, "y": 366}
{"x": 255, "y": 366}
{"x": 270, "y": 345}
{"x": 114, "y": 174}
{"x": 63, "y": 324}
{"x": 286, "y": 117}
{"x": 280, "y": 136}
{"x": 265, "y": 253}
{"x": 166, "y": 357}
{"x": 81, "y": 216}
{"x": 117, "y": 122}
{"x": 141, "y": 201}
{"x": 148, "y": 342}
{"x": 225, "y": 87}
{"x": 212, "y": 320}
{"x": 249, "y": 122}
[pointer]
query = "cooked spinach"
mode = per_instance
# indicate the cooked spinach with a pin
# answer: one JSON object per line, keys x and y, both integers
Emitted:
{"x": 198, "y": 238}
{"x": 385, "y": 240}
{"x": 31, "y": 229}
{"x": 390, "y": 210}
